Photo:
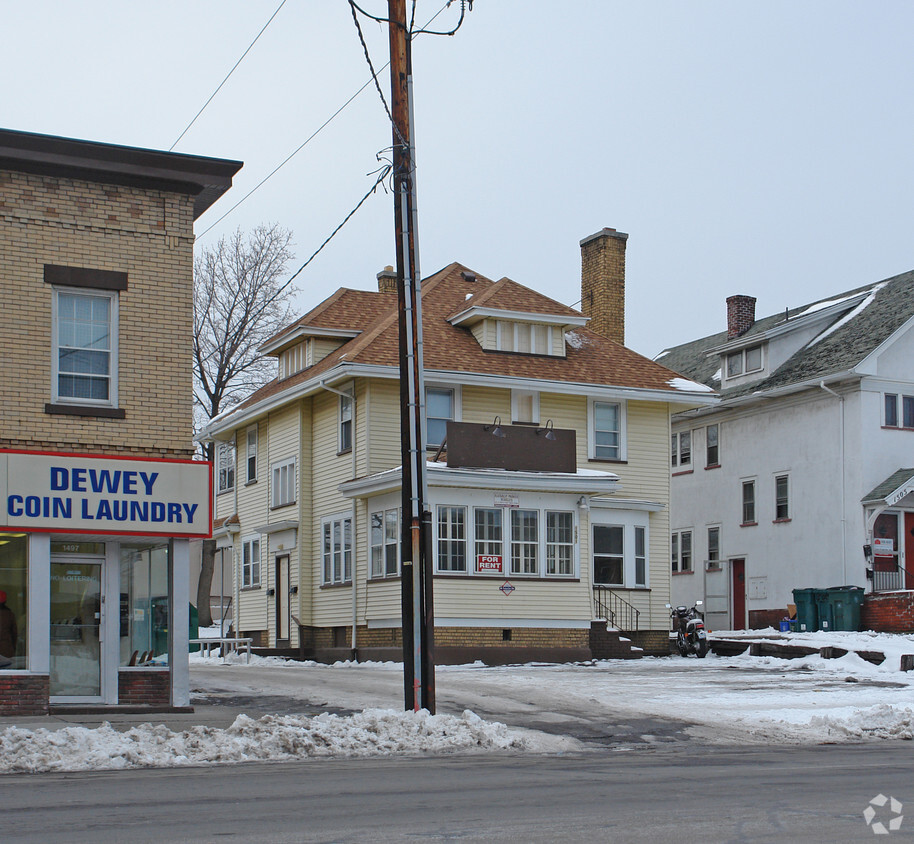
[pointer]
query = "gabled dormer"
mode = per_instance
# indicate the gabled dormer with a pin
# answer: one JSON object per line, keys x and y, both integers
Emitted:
{"x": 303, "y": 346}
{"x": 753, "y": 351}
{"x": 502, "y": 319}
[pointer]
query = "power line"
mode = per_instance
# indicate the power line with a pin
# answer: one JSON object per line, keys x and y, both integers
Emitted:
{"x": 187, "y": 128}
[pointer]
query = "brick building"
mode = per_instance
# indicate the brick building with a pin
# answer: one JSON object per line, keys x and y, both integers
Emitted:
{"x": 99, "y": 493}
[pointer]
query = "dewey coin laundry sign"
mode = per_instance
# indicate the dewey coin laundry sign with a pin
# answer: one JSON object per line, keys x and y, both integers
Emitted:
{"x": 72, "y": 493}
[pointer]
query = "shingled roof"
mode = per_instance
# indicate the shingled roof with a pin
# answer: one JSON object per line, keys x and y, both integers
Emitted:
{"x": 874, "y": 312}
{"x": 591, "y": 358}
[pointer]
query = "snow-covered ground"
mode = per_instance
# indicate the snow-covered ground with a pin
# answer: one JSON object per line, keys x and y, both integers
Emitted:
{"x": 532, "y": 708}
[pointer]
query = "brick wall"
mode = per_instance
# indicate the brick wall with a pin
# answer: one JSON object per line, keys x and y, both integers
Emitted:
{"x": 147, "y": 234}
{"x": 603, "y": 283}
{"x": 740, "y": 315}
{"x": 144, "y": 687}
{"x": 651, "y": 642}
{"x": 888, "y": 612}
{"x": 24, "y": 694}
{"x": 760, "y": 619}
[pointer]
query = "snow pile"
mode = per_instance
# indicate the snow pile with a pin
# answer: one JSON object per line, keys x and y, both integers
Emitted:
{"x": 881, "y": 721}
{"x": 689, "y": 386}
{"x": 374, "y": 732}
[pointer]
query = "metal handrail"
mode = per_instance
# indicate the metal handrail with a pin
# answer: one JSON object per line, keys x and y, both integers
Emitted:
{"x": 615, "y": 609}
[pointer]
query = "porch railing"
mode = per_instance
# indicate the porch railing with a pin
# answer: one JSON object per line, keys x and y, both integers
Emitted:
{"x": 890, "y": 581}
{"x": 618, "y": 612}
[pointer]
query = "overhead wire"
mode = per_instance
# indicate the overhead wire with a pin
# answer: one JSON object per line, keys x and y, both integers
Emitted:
{"x": 219, "y": 86}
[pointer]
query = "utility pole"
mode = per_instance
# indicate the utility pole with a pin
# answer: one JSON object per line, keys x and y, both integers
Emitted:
{"x": 416, "y": 596}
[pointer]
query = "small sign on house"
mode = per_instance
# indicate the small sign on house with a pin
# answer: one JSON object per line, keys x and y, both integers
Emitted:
{"x": 883, "y": 547}
{"x": 489, "y": 564}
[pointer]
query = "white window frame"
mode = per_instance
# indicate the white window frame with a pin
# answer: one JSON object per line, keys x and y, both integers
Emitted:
{"x": 250, "y": 440}
{"x": 716, "y": 427}
{"x": 516, "y": 397}
{"x": 283, "y": 483}
{"x": 715, "y": 556}
{"x": 591, "y": 429}
{"x": 434, "y": 443}
{"x": 641, "y": 560}
{"x": 113, "y": 326}
{"x": 680, "y": 457}
{"x": 250, "y": 562}
{"x": 680, "y": 560}
{"x": 553, "y": 559}
{"x": 387, "y": 551}
{"x": 452, "y": 541}
{"x": 510, "y": 335}
{"x": 785, "y": 477}
{"x": 336, "y": 559}
{"x": 225, "y": 466}
{"x": 346, "y": 420}
{"x": 525, "y": 553}
{"x": 741, "y": 355}
{"x": 620, "y": 555}
{"x": 743, "y": 484}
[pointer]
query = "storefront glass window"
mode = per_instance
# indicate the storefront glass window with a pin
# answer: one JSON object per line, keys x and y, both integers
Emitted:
{"x": 144, "y": 605}
{"x": 14, "y": 570}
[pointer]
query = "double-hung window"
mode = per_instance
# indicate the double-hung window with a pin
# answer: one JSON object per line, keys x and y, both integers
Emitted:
{"x": 336, "y": 551}
{"x": 608, "y": 554}
{"x": 744, "y": 361}
{"x": 559, "y": 543}
{"x": 488, "y": 524}
{"x": 892, "y": 411}
{"x": 251, "y": 464}
{"x": 225, "y": 464}
{"x": 85, "y": 347}
{"x": 682, "y": 449}
{"x": 452, "y": 538}
{"x": 524, "y": 541}
{"x": 748, "y": 500}
{"x": 385, "y": 543}
{"x": 439, "y": 409}
{"x": 250, "y": 562}
{"x": 283, "y": 486}
{"x": 781, "y": 498}
{"x": 712, "y": 442}
{"x": 713, "y": 544}
{"x": 607, "y": 423}
{"x": 681, "y": 551}
{"x": 640, "y": 556}
{"x": 345, "y": 422}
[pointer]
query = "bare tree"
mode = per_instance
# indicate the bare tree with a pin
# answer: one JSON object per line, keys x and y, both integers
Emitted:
{"x": 241, "y": 299}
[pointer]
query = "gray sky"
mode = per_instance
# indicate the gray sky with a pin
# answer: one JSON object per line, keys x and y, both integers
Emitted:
{"x": 746, "y": 147}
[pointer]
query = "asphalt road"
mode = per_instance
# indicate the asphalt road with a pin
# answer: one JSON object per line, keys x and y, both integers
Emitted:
{"x": 672, "y": 793}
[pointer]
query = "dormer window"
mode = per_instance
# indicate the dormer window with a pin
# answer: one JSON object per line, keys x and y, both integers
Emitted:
{"x": 524, "y": 337}
{"x": 744, "y": 361}
{"x": 295, "y": 359}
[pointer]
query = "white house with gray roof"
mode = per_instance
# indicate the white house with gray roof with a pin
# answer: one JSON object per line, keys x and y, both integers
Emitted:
{"x": 796, "y": 478}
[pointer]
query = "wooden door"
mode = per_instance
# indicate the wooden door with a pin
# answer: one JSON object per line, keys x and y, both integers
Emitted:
{"x": 909, "y": 550}
{"x": 738, "y": 592}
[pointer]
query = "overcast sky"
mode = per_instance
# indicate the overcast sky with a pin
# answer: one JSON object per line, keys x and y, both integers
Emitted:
{"x": 746, "y": 147}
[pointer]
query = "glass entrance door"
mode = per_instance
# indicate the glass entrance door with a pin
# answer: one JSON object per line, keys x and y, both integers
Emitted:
{"x": 76, "y": 623}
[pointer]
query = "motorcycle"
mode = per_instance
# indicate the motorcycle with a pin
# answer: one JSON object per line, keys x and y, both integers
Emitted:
{"x": 691, "y": 636}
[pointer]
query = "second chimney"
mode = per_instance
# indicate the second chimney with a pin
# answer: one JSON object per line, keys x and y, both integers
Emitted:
{"x": 387, "y": 280}
{"x": 740, "y": 315}
{"x": 603, "y": 283}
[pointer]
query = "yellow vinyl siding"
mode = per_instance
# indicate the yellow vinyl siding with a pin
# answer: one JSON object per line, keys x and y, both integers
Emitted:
{"x": 483, "y": 404}
{"x": 384, "y": 425}
{"x": 569, "y": 412}
{"x": 321, "y": 347}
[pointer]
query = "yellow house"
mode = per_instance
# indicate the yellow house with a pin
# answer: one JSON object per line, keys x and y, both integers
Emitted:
{"x": 548, "y": 452}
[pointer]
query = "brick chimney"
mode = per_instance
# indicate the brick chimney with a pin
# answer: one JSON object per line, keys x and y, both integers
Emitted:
{"x": 387, "y": 280}
{"x": 740, "y": 315}
{"x": 603, "y": 283}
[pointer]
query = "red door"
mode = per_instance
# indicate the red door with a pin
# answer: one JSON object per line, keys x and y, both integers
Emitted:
{"x": 738, "y": 591}
{"x": 909, "y": 550}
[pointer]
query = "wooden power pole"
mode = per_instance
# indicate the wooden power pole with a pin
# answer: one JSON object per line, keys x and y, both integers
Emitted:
{"x": 417, "y": 600}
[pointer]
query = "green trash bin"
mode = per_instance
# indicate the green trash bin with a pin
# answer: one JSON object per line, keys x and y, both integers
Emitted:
{"x": 807, "y": 614}
{"x": 846, "y": 603}
{"x": 825, "y": 609}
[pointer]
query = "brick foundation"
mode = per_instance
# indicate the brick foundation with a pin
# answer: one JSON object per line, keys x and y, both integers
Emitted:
{"x": 453, "y": 645}
{"x": 651, "y": 642}
{"x": 144, "y": 687}
{"x": 888, "y": 612}
{"x": 24, "y": 694}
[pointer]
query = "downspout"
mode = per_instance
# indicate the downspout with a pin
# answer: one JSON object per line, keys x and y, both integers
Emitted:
{"x": 843, "y": 483}
{"x": 352, "y": 643}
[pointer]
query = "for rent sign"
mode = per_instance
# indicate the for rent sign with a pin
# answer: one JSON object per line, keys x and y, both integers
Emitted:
{"x": 74, "y": 493}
